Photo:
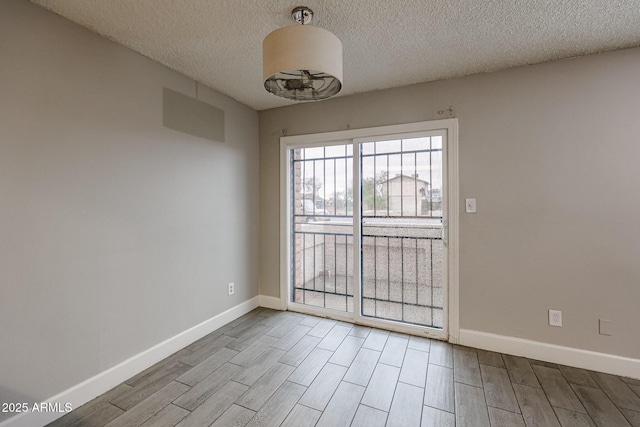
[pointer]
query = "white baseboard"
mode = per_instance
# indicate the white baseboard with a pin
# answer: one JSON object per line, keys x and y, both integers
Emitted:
{"x": 586, "y": 359}
{"x": 105, "y": 381}
{"x": 272, "y": 302}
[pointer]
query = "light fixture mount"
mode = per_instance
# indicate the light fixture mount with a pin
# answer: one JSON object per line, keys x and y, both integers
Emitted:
{"x": 302, "y": 62}
{"x": 302, "y": 15}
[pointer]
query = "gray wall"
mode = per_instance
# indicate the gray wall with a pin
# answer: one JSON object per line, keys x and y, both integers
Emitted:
{"x": 551, "y": 153}
{"x": 115, "y": 232}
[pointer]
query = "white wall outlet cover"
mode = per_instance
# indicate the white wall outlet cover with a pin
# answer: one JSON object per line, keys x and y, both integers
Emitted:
{"x": 555, "y": 318}
{"x": 232, "y": 288}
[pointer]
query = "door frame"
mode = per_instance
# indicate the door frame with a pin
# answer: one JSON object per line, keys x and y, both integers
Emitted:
{"x": 450, "y": 166}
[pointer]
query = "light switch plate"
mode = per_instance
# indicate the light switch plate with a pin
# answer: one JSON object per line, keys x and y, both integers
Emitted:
{"x": 470, "y": 205}
{"x": 605, "y": 327}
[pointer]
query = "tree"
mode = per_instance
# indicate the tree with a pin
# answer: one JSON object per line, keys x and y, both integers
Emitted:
{"x": 372, "y": 194}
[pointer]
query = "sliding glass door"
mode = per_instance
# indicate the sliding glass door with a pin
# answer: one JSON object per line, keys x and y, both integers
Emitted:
{"x": 366, "y": 229}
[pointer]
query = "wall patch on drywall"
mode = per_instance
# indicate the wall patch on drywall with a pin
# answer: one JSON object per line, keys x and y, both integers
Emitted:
{"x": 192, "y": 116}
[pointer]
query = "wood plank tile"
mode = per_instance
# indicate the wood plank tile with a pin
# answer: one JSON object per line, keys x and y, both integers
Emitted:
{"x": 204, "y": 340}
{"x": 406, "y": 408}
{"x": 322, "y": 388}
{"x": 307, "y": 371}
{"x": 91, "y": 406}
{"x": 263, "y": 313}
{"x": 573, "y": 419}
{"x": 249, "y": 337}
{"x": 208, "y": 386}
{"x": 466, "y": 369}
{"x": 345, "y": 324}
{"x": 254, "y": 351}
{"x": 342, "y": 406}
{"x": 301, "y": 416}
{"x": 381, "y": 388}
{"x": 439, "y": 391}
{"x": 215, "y": 405}
{"x": 349, "y": 380}
{"x": 630, "y": 381}
{"x": 393, "y": 352}
{"x": 334, "y": 338}
{"x": 502, "y": 418}
{"x": 235, "y": 416}
{"x": 150, "y": 385}
{"x": 441, "y": 354}
{"x": 632, "y": 416}
{"x": 210, "y": 364}
{"x": 262, "y": 390}
{"x": 432, "y": 417}
{"x": 300, "y": 351}
{"x": 253, "y": 314}
{"x": 376, "y": 340}
{"x": 534, "y": 362}
{"x": 520, "y": 371}
{"x": 292, "y": 338}
{"x": 599, "y": 406}
{"x": 535, "y": 407}
{"x": 557, "y": 389}
{"x": 250, "y": 322}
{"x": 310, "y": 321}
{"x": 497, "y": 389}
{"x": 207, "y": 350}
{"x": 577, "y": 376}
{"x": 369, "y": 417}
{"x": 414, "y": 368}
{"x": 362, "y": 367}
{"x": 490, "y": 358}
{"x": 617, "y": 390}
{"x": 347, "y": 351}
{"x": 360, "y": 331}
{"x": 275, "y": 318}
{"x": 471, "y": 407}
{"x": 284, "y": 327}
{"x": 276, "y": 409}
{"x": 149, "y": 406}
{"x": 322, "y": 328}
{"x": 252, "y": 373}
{"x": 419, "y": 343}
{"x": 156, "y": 371}
{"x": 169, "y": 416}
{"x": 104, "y": 414}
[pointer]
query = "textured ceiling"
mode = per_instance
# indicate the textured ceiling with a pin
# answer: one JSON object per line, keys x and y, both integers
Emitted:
{"x": 386, "y": 43}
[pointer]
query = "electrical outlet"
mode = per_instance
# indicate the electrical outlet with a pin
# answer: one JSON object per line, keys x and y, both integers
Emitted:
{"x": 555, "y": 318}
{"x": 232, "y": 288}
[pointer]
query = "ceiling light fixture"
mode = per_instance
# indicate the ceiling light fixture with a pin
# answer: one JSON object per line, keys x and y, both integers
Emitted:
{"x": 302, "y": 62}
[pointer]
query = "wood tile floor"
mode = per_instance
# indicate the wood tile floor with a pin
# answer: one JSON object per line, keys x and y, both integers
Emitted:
{"x": 271, "y": 368}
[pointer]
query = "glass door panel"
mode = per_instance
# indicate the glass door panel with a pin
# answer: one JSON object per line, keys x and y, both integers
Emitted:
{"x": 322, "y": 218}
{"x": 401, "y": 212}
